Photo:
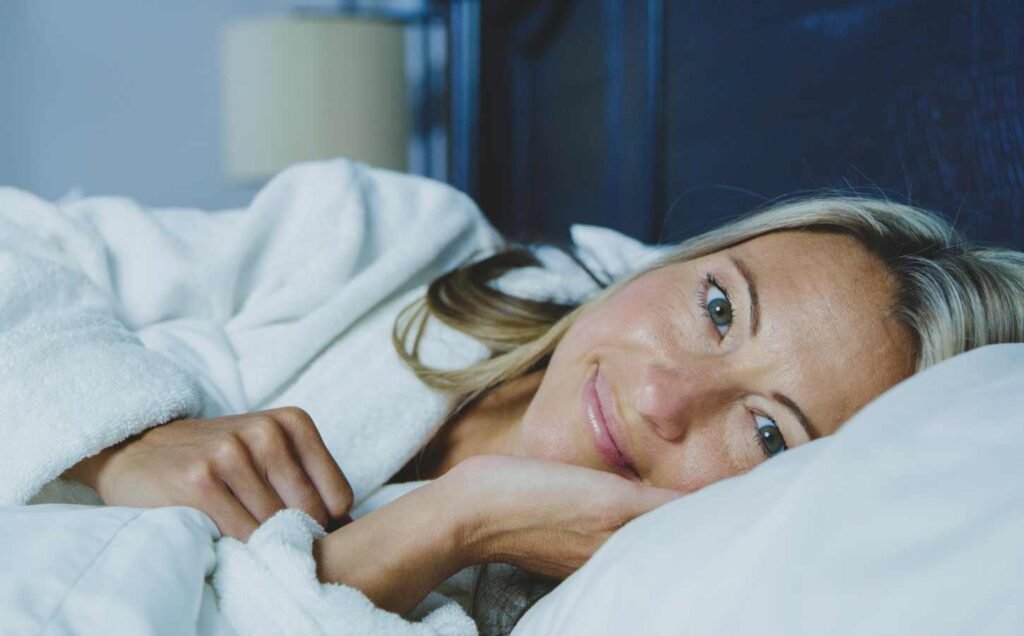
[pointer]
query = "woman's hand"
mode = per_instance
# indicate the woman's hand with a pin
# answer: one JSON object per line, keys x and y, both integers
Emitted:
{"x": 239, "y": 470}
{"x": 542, "y": 516}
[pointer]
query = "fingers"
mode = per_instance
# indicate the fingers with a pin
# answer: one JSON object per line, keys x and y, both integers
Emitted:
{"x": 274, "y": 454}
{"x": 316, "y": 461}
{"x": 231, "y": 517}
{"x": 295, "y": 488}
{"x": 237, "y": 470}
{"x": 240, "y": 470}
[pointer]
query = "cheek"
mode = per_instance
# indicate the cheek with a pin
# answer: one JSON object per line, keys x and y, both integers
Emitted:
{"x": 637, "y": 309}
{"x": 712, "y": 448}
{"x": 548, "y": 426}
{"x": 693, "y": 465}
{"x": 707, "y": 454}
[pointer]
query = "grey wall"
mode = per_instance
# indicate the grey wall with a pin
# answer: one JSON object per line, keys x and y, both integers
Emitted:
{"x": 118, "y": 97}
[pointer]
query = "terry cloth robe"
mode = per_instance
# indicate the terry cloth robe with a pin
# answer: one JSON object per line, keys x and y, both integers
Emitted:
{"x": 115, "y": 318}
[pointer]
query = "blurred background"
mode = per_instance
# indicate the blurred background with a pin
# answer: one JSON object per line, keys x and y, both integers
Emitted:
{"x": 659, "y": 118}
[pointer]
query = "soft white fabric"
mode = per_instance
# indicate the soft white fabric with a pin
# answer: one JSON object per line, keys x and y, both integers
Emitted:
{"x": 107, "y": 570}
{"x": 265, "y": 589}
{"x": 118, "y": 318}
{"x": 607, "y": 254}
{"x": 72, "y": 569}
{"x": 909, "y": 520}
{"x": 62, "y": 345}
{"x": 247, "y": 308}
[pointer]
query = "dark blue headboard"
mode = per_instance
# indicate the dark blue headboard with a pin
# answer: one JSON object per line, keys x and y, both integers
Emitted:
{"x": 662, "y": 118}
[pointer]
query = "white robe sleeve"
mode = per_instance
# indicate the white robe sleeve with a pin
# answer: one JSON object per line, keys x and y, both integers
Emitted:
{"x": 73, "y": 378}
{"x": 268, "y": 586}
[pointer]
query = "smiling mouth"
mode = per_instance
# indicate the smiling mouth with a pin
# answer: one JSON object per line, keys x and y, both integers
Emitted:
{"x": 594, "y": 412}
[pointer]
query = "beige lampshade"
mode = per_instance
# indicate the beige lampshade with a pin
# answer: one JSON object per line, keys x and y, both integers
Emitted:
{"x": 303, "y": 88}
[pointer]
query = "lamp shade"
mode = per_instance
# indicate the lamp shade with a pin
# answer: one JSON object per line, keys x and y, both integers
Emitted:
{"x": 304, "y": 88}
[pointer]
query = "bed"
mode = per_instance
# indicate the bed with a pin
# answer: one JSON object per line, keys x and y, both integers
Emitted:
{"x": 659, "y": 119}
{"x": 908, "y": 520}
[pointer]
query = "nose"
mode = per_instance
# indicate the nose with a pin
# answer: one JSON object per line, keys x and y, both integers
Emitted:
{"x": 671, "y": 399}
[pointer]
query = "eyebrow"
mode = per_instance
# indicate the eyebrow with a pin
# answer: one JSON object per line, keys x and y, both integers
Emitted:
{"x": 755, "y": 303}
{"x": 755, "y": 324}
{"x": 800, "y": 415}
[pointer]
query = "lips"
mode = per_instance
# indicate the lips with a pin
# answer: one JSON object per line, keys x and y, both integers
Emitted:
{"x": 599, "y": 411}
{"x": 610, "y": 419}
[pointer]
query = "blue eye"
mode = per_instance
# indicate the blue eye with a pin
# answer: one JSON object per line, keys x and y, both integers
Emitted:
{"x": 718, "y": 306}
{"x": 769, "y": 436}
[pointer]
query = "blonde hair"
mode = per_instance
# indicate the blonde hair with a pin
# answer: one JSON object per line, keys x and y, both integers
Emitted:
{"x": 951, "y": 295}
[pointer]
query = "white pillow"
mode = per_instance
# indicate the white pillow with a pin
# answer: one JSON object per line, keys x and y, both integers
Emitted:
{"x": 909, "y": 520}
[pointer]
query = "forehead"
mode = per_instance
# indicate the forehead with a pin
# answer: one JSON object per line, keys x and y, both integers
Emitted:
{"x": 794, "y": 261}
{"x": 826, "y": 323}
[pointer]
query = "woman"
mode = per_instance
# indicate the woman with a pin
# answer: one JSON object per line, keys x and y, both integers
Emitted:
{"x": 740, "y": 344}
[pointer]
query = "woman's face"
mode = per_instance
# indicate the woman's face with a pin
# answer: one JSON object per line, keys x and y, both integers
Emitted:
{"x": 706, "y": 368}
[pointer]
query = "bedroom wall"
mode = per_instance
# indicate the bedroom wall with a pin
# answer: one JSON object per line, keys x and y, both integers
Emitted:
{"x": 118, "y": 97}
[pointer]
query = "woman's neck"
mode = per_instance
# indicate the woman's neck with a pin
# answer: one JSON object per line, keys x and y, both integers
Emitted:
{"x": 490, "y": 426}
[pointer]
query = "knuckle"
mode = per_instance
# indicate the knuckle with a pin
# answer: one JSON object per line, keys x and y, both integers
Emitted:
{"x": 306, "y": 433}
{"x": 199, "y": 477}
{"x": 298, "y": 424}
{"x": 229, "y": 451}
{"x": 264, "y": 430}
{"x": 296, "y": 414}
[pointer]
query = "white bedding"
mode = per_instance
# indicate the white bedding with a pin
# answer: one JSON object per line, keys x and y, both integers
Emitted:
{"x": 71, "y": 569}
{"x": 104, "y": 570}
{"x": 907, "y": 521}
{"x": 117, "y": 318}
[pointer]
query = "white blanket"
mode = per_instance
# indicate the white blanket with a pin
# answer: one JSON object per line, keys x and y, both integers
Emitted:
{"x": 117, "y": 318}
